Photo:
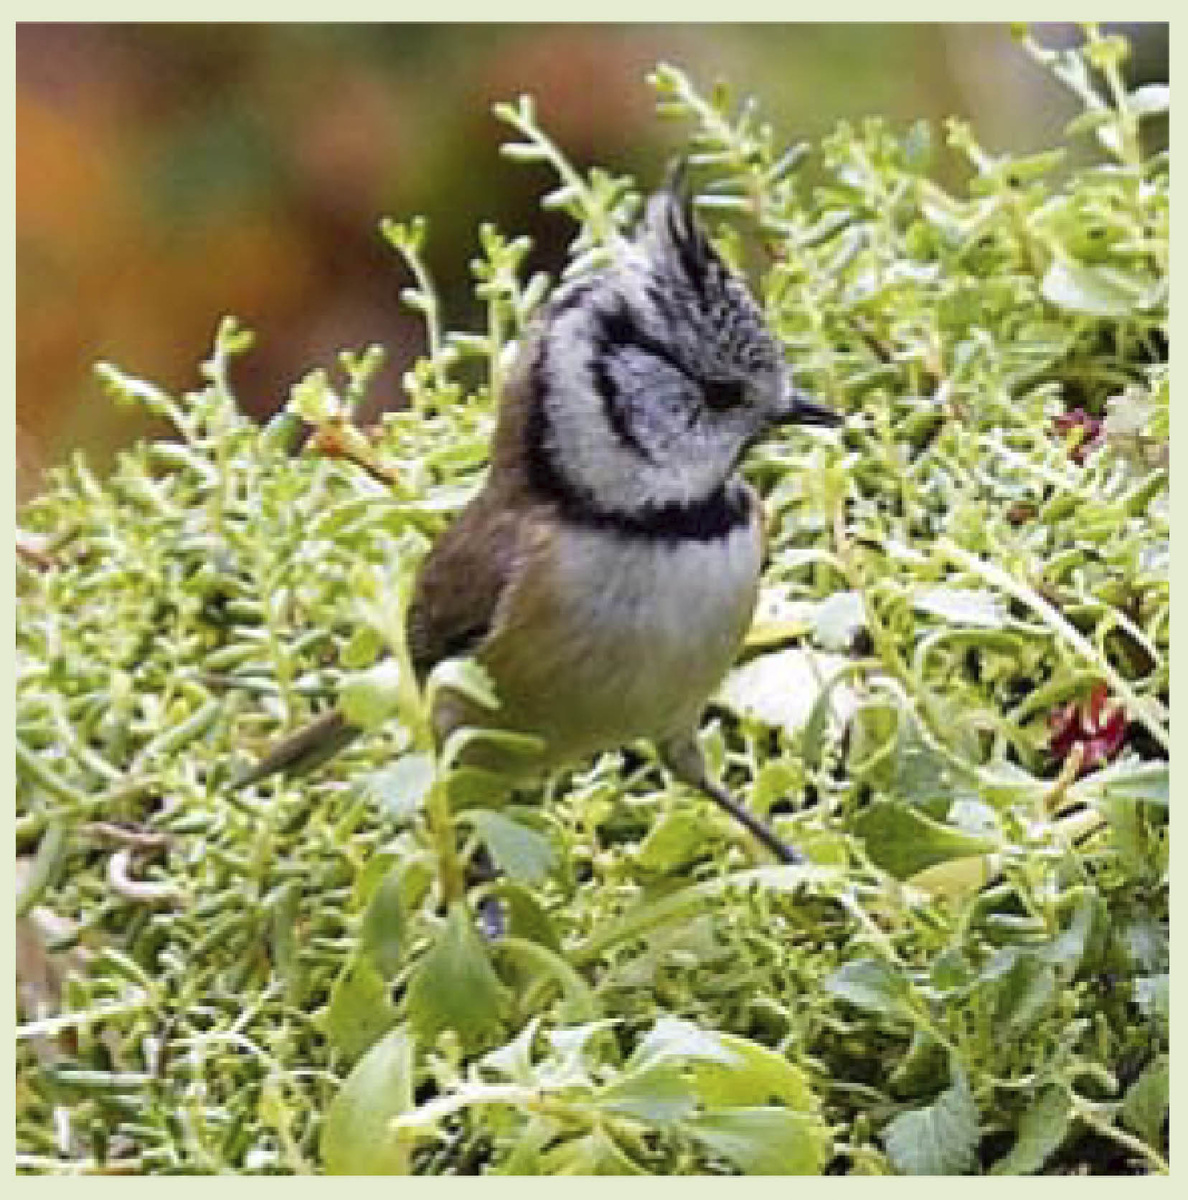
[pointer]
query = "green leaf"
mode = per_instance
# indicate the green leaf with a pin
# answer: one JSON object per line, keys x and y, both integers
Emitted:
{"x": 491, "y": 750}
{"x": 923, "y": 776}
{"x": 1134, "y": 780}
{"x": 874, "y": 736}
{"x": 595, "y": 1153}
{"x": 525, "y": 1156}
{"x": 1152, "y": 993}
{"x": 1042, "y": 1130}
{"x": 1145, "y": 937}
{"x": 758, "y": 1075}
{"x": 903, "y": 841}
{"x": 764, "y": 1140}
{"x": 781, "y": 689}
{"x": 1149, "y": 100}
{"x": 1078, "y": 945}
{"x": 680, "y": 836}
{"x": 660, "y": 1094}
{"x": 1129, "y": 833}
{"x": 465, "y": 676}
{"x": 572, "y": 1054}
{"x": 370, "y": 697}
{"x": 281, "y": 433}
{"x": 356, "y": 1138}
{"x": 939, "y": 1139}
{"x": 1030, "y": 167}
{"x": 1001, "y": 784}
{"x": 838, "y": 620}
{"x": 1146, "y": 1104}
{"x": 778, "y": 618}
{"x": 1078, "y": 288}
{"x": 823, "y": 715}
{"x": 874, "y": 985}
{"x": 1090, "y": 120}
{"x": 691, "y": 941}
{"x": 455, "y": 986}
{"x": 382, "y": 935}
{"x": 521, "y": 853}
{"x": 950, "y": 970}
{"x": 527, "y": 917}
{"x": 514, "y": 1060}
{"x": 776, "y": 780}
{"x": 962, "y": 606}
{"x": 473, "y": 787}
{"x": 1022, "y": 992}
{"x": 360, "y": 1008}
{"x": 363, "y": 648}
{"x": 672, "y": 1039}
{"x": 314, "y": 400}
{"x": 401, "y": 788}
{"x": 957, "y": 877}
{"x": 922, "y": 1070}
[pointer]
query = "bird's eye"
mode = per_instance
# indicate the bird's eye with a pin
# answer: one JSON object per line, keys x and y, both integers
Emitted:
{"x": 724, "y": 393}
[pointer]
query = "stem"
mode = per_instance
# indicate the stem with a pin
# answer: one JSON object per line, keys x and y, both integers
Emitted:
{"x": 735, "y": 141}
{"x": 597, "y": 218}
{"x": 49, "y": 1026}
{"x": 1109, "y": 1130}
{"x": 854, "y": 577}
{"x": 884, "y": 644}
{"x": 441, "y": 828}
{"x": 414, "y": 713}
{"x": 432, "y": 313}
{"x": 495, "y": 337}
{"x": 430, "y": 1113}
{"x": 341, "y": 439}
{"x": 640, "y": 920}
{"x": 1051, "y": 800}
{"x": 577, "y": 991}
{"x": 43, "y": 1164}
{"x": 282, "y": 667}
{"x": 1129, "y": 148}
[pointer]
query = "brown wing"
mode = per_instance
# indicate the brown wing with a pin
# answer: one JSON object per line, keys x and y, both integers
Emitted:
{"x": 462, "y": 581}
{"x": 466, "y": 574}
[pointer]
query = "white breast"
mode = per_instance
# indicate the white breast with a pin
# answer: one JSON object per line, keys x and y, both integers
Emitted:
{"x": 639, "y": 634}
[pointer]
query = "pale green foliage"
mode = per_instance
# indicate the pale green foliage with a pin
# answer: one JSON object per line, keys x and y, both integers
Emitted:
{"x": 971, "y": 975}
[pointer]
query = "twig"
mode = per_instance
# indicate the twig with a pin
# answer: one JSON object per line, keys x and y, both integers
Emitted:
{"x": 338, "y": 440}
{"x": 122, "y": 835}
{"x": 137, "y": 891}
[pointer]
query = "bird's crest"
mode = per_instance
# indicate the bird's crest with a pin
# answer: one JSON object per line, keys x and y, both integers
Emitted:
{"x": 671, "y": 229}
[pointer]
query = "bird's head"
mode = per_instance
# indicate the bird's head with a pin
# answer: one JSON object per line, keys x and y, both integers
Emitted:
{"x": 652, "y": 376}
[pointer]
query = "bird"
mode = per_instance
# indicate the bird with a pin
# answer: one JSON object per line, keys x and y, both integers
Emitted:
{"x": 606, "y": 573}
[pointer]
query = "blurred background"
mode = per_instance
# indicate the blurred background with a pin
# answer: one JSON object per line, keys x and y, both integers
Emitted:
{"x": 168, "y": 174}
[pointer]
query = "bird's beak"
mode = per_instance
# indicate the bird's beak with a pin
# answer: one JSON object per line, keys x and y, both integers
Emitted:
{"x": 801, "y": 409}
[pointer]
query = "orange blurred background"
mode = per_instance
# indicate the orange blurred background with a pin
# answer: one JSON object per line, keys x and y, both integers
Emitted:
{"x": 169, "y": 174}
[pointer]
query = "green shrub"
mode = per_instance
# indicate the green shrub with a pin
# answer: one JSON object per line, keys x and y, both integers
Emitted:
{"x": 955, "y": 697}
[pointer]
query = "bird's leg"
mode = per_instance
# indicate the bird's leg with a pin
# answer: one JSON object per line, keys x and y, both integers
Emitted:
{"x": 684, "y": 759}
{"x": 764, "y": 833}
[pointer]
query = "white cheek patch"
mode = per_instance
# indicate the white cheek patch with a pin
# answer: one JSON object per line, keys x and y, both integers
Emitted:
{"x": 689, "y": 464}
{"x": 620, "y": 478}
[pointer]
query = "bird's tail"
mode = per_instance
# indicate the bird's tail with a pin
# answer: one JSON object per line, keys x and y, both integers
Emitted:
{"x": 304, "y": 750}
